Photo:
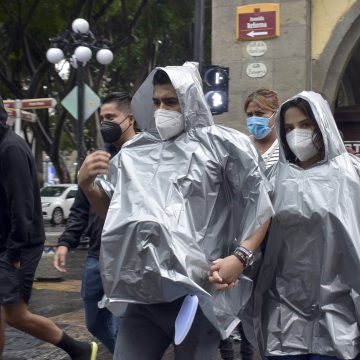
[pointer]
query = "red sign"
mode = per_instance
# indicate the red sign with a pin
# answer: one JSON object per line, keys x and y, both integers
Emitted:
{"x": 25, "y": 115}
{"x": 42, "y": 103}
{"x": 258, "y": 21}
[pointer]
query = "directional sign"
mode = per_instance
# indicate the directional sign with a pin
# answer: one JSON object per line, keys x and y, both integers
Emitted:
{"x": 25, "y": 115}
{"x": 13, "y": 108}
{"x": 41, "y": 103}
{"x": 258, "y": 21}
{"x": 91, "y": 102}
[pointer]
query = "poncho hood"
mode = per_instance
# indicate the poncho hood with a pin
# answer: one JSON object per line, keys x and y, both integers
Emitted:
{"x": 188, "y": 86}
{"x": 334, "y": 145}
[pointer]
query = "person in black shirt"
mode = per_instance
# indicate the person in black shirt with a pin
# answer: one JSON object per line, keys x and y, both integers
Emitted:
{"x": 117, "y": 127}
{"x": 22, "y": 238}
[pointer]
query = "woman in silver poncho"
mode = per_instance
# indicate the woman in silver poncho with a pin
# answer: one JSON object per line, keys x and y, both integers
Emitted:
{"x": 307, "y": 297}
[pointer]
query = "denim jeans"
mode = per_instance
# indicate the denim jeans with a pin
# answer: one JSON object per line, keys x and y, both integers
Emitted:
{"x": 100, "y": 322}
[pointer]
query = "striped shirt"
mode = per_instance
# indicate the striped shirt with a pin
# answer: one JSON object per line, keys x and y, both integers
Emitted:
{"x": 271, "y": 155}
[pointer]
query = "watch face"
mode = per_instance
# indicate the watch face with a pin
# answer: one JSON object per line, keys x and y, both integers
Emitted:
{"x": 250, "y": 259}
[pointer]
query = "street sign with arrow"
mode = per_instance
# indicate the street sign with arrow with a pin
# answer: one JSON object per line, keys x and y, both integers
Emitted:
{"x": 41, "y": 103}
{"x": 258, "y": 21}
{"x": 25, "y": 115}
{"x": 13, "y": 107}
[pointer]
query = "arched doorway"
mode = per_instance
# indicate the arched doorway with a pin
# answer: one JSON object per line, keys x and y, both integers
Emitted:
{"x": 347, "y": 103}
{"x": 336, "y": 75}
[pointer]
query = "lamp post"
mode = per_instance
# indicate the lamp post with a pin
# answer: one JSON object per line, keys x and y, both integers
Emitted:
{"x": 199, "y": 32}
{"x": 78, "y": 46}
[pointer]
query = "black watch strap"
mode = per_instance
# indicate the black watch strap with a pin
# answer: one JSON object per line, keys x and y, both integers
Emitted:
{"x": 245, "y": 256}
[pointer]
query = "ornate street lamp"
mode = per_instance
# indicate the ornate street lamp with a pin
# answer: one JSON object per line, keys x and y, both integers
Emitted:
{"x": 78, "y": 47}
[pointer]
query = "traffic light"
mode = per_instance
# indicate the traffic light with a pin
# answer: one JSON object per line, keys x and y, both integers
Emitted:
{"x": 216, "y": 89}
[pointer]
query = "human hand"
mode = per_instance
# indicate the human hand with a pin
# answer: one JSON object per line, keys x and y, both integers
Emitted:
{"x": 97, "y": 163}
{"x": 215, "y": 278}
{"x": 60, "y": 258}
{"x": 224, "y": 273}
{"x": 16, "y": 264}
{"x": 213, "y": 273}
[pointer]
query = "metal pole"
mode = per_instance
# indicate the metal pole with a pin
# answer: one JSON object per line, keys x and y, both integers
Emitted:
{"x": 199, "y": 32}
{"x": 17, "y": 127}
{"x": 80, "y": 120}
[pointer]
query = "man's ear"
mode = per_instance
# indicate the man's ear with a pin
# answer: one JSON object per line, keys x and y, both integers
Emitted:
{"x": 131, "y": 119}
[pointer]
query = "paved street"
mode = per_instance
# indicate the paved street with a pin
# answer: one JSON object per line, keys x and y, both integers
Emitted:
{"x": 58, "y": 298}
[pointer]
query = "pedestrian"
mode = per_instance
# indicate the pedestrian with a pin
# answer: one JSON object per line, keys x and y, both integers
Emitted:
{"x": 181, "y": 192}
{"x": 117, "y": 126}
{"x": 307, "y": 292}
{"x": 260, "y": 107}
{"x": 22, "y": 238}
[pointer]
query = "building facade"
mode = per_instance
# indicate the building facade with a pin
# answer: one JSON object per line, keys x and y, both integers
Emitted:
{"x": 316, "y": 47}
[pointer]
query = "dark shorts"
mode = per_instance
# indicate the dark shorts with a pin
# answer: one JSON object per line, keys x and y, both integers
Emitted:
{"x": 16, "y": 284}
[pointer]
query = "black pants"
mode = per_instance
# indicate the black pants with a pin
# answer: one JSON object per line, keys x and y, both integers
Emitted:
{"x": 146, "y": 331}
{"x": 246, "y": 349}
{"x": 226, "y": 349}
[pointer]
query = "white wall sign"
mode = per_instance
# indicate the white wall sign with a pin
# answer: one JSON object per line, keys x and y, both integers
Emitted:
{"x": 256, "y": 48}
{"x": 256, "y": 70}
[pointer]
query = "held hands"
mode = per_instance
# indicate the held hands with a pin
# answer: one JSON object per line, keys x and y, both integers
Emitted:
{"x": 97, "y": 163}
{"x": 60, "y": 258}
{"x": 224, "y": 273}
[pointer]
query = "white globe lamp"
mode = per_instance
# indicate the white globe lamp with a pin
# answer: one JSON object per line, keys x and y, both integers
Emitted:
{"x": 54, "y": 55}
{"x": 83, "y": 54}
{"x": 80, "y": 26}
{"x": 104, "y": 56}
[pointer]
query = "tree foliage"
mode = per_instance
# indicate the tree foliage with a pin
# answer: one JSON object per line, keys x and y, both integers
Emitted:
{"x": 143, "y": 34}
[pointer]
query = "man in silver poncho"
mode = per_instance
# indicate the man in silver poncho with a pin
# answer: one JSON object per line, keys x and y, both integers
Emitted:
{"x": 307, "y": 297}
{"x": 181, "y": 192}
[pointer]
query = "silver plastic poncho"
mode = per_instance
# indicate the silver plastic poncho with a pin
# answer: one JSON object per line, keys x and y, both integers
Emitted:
{"x": 178, "y": 205}
{"x": 307, "y": 298}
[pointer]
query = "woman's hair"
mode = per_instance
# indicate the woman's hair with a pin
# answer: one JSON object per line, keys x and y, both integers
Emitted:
{"x": 304, "y": 107}
{"x": 264, "y": 98}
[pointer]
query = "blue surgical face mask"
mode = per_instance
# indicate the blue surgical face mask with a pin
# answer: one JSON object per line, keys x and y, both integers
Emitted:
{"x": 259, "y": 126}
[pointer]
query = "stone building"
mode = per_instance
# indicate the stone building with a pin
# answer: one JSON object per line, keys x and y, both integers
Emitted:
{"x": 317, "y": 48}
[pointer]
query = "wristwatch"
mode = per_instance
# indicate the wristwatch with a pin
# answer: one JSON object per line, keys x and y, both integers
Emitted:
{"x": 245, "y": 256}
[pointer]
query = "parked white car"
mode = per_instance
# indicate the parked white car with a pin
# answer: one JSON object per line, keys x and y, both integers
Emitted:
{"x": 56, "y": 201}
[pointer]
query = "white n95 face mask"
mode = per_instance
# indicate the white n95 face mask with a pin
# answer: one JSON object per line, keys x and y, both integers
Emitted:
{"x": 169, "y": 123}
{"x": 301, "y": 144}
